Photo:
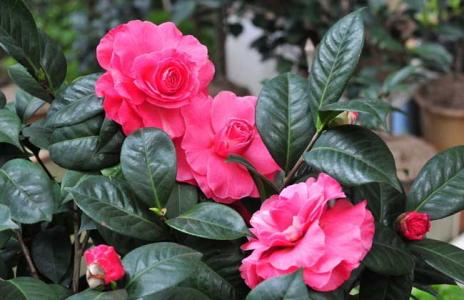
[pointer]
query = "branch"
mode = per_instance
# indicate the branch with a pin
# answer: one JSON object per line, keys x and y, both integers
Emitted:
{"x": 27, "y": 254}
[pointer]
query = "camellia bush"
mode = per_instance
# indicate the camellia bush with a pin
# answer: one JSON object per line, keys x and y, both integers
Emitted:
{"x": 170, "y": 193}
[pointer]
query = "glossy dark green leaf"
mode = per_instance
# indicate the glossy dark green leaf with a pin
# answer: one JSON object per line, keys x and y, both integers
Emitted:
{"x": 426, "y": 275}
{"x": 28, "y": 83}
{"x": 53, "y": 61}
{"x": 5, "y": 219}
{"x": 87, "y": 224}
{"x": 212, "y": 221}
{"x": 26, "y": 288}
{"x": 442, "y": 256}
{"x": 389, "y": 254}
{"x": 439, "y": 188}
{"x": 60, "y": 291}
{"x": 336, "y": 59}
{"x": 26, "y": 105}
{"x": 289, "y": 286}
{"x": 384, "y": 287}
{"x": 69, "y": 181}
{"x": 38, "y": 134}
{"x": 122, "y": 243}
{"x": 385, "y": 203}
{"x": 111, "y": 204}
{"x": 265, "y": 187}
{"x": 155, "y": 267}
{"x": 148, "y": 161}
{"x": 375, "y": 109}
{"x": 18, "y": 34}
{"x": 27, "y": 191}
{"x": 183, "y": 197}
{"x": 283, "y": 118}
{"x": 77, "y": 111}
{"x": 10, "y": 126}
{"x": 2, "y": 100}
{"x": 354, "y": 156}
{"x": 109, "y": 130}
{"x": 178, "y": 293}
{"x": 90, "y": 294}
{"x": 51, "y": 251}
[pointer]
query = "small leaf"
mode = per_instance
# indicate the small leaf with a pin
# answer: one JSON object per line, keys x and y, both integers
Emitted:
{"x": 211, "y": 221}
{"x": 289, "y": 286}
{"x": 10, "y": 126}
{"x": 76, "y": 112}
{"x": 27, "y": 191}
{"x": 336, "y": 59}
{"x": 285, "y": 101}
{"x": 26, "y": 105}
{"x": 265, "y": 187}
{"x": 155, "y": 267}
{"x": 439, "y": 188}
{"x": 389, "y": 254}
{"x": 148, "y": 161}
{"x": 381, "y": 287}
{"x": 183, "y": 197}
{"x": 442, "y": 256}
{"x": 51, "y": 251}
{"x": 5, "y": 219}
{"x": 90, "y": 294}
{"x": 28, "y": 83}
{"x": 110, "y": 204}
{"x": 354, "y": 156}
{"x": 70, "y": 180}
{"x": 26, "y": 288}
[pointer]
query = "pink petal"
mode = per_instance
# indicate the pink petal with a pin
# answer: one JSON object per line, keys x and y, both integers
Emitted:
{"x": 227, "y": 106}
{"x": 169, "y": 120}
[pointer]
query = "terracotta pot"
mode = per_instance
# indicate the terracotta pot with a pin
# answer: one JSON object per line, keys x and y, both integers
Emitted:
{"x": 441, "y": 126}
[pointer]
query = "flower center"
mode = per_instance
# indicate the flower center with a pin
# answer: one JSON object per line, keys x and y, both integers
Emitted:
{"x": 294, "y": 231}
{"x": 170, "y": 79}
{"x": 234, "y": 138}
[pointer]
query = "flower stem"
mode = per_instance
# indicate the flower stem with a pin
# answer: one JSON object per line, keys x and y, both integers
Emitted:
{"x": 27, "y": 254}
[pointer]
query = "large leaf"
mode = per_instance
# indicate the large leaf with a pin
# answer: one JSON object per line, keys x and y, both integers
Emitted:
{"x": 27, "y": 191}
{"x": 380, "y": 287}
{"x": 90, "y": 294}
{"x": 28, "y": 83}
{"x": 77, "y": 111}
{"x": 283, "y": 118}
{"x": 426, "y": 275}
{"x": 18, "y": 34}
{"x": 10, "y": 126}
{"x": 336, "y": 59}
{"x": 5, "y": 219}
{"x": 148, "y": 161}
{"x": 110, "y": 204}
{"x": 385, "y": 203}
{"x": 178, "y": 293}
{"x": 442, "y": 256}
{"x": 26, "y": 288}
{"x": 183, "y": 197}
{"x": 354, "y": 156}
{"x": 26, "y": 105}
{"x": 69, "y": 181}
{"x": 389, "y": 254}
{"x": 53, "y": 61}
{"x": 109, "y": 131}
{"x": 439, "y": 188}
{"x": 212, "y": 221}
{"x": 289, "y": 286}
{"x": 155, "y": 267}
{"x": 51, "y": 251}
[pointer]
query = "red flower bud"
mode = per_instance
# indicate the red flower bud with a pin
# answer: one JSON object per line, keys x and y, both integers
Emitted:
{"x": 345, "y": 118}
{"x": 413, "y": 225}
{"x": 103, "y": 265}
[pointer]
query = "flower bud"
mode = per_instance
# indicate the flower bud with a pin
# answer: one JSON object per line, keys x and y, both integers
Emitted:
{"x": 413, "y": 225}
{"x": 345, "y": 118}
{"x": 103, "y": 265}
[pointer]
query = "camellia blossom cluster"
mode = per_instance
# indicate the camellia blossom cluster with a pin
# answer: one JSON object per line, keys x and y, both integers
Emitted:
{"x": 157, "y": 77}
{"x": 302, "y": 229}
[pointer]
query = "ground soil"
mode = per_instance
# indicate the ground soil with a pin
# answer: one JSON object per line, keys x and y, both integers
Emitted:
{"x": 445, "y": 92}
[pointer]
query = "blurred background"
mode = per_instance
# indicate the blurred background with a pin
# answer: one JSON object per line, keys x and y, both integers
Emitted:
{"x": 413, "y": 58}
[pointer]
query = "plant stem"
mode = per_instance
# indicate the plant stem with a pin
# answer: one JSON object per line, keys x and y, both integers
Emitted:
{"x": 298, "y": 164}
{"x": 43, "y": 165}
{"x": 27, "y": 254}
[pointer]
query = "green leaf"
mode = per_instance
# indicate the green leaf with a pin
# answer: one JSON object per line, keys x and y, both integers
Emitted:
{"x": 285, "y": 101}
{"x": 380, "y": 287}
{"x": 18, "y": 34}
{"x": 109, "y": 130}
{"x": 354, "y": 156}
{"x": 26, "y": 105}
{"x": 155, "y": 267}
{"x": 385, "y": 203}
{"x": 442, "y": 256}
{"x": 53, "y": 61}
{"x": 28, "y": 83}
{"x": 10, "y": 126}
{"x": 26, "y": 288}
{"x": 376, "y": 109}
{"x": 426, "y": 275}
{"x": 76, "y": 112}
{"x": 183, "y": 197}
{"x": 60, "y": 291}
{"x": 389, "y": 254}
{"x": 51, "y": 251}
{"x": 182, "y": 10}
{"x": 90, "y": 294}
{"x": 38, "y": 134}
{"x": 70, "y": 180}
{"x": 110, "y": 204}
{"x": 178, "y": 293}
{"x": 2, "y": 100}
{"x": 122, "y": 243}
{"x": 289, "y": 286}
{"x": 5, "y": 219}
{"x": 211, "y": 221}
{"x": 395, "y": 79}
{"x": 336, "y": 59}
{"x": 439, "y": 188}
{"x": 265, "y": 187}
{"x": 148, "y": 161}
{"x": 27, "y": 191}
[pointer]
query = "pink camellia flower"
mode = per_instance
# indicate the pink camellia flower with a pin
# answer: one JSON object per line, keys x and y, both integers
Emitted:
{"x": 413, "y": 225}
{"x": 301, "y": 229}
{"x": 151, "y": 72}
{"x": 217, "y": 129}
{"x": 103, "y": 265}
